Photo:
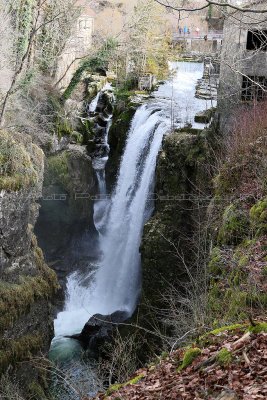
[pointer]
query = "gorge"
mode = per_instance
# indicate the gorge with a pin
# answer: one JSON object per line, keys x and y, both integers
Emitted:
{"x": 113, "y": 282}
{"x": 132, "y": 200}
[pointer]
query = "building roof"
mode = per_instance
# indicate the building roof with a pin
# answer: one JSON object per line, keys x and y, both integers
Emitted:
{"x": 85, "y": 8}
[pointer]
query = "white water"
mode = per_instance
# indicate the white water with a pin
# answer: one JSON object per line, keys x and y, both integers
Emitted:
{"x": 116, "y": 283}
{"x": 93, "y": 105}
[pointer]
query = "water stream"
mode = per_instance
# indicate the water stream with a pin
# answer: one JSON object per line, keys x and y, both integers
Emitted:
{"x": 115, "y": 284}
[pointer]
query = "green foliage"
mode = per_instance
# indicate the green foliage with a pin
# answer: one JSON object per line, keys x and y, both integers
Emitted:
{"x": 27, "y": 79}
{"x": 99, "y": 61}
{"x": 189, "y": 357}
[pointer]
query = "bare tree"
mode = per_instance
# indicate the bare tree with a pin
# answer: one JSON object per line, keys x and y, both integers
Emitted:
{"x": 194, "y": 6}
{"x": 44, "y": 17}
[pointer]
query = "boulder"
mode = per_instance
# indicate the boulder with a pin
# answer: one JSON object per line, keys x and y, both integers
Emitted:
{"x": 204, "y": 117}
{"x": 227, "y": 395}
{"x": 99, "y": 328}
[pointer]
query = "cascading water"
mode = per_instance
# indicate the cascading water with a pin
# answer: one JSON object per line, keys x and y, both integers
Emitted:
{"x": 116, "y": 283}
{"x": 92, "y": 106}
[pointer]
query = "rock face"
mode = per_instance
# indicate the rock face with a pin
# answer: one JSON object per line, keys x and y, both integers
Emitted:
{"x": 65, "y": 226}
{"x": 180, "y": 190}
{"x": 99, "y": 328}
{"x": 122, "y": 118}
{"x": 205, "y": 116}
{"x": 26, "y": 283}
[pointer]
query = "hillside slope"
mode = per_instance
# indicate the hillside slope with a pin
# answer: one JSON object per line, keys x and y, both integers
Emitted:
{"x": 229, "y": 363}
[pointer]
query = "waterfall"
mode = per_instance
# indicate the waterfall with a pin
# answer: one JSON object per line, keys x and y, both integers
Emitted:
{"x": 93, "y": 104}
{"x": 118, "y": 279}
{"x": 116, "y": 283}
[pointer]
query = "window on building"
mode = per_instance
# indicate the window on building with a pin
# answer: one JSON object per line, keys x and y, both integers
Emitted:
{"x": 257, "y": 40}
{"x": 254, "y": 88}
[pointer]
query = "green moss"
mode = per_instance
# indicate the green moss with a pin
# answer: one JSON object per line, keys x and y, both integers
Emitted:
{"x": 216, "y": 265}
{"x": 243, "y": 260}
{"x": 224, "y": 357}
{"x": 112, "y": 389}
{"x": 19, "y": 350}
{"x": 227, "y": 181}
{"x": 57, "y": 171}
{"x": 258, "y": 218}
{"x": 189, "y": 357}
{"x": 63, "y": 128}
{"x": 78, "y": 137}
{"x": 135, "y": 380}
{"x": 16, "y": 299}
{"x": 235, "y": 226}
{"x": 24, "y": 25}
{"x": 131, "y": 382}
{"x": 225, "y": 328}
{"x": 262, "y": 327}
{"x": 17, "y": 170}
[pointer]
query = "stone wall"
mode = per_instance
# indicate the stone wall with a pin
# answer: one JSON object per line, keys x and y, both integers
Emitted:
{"x": 78, "y": 45}
{"x": 237, "y": 61}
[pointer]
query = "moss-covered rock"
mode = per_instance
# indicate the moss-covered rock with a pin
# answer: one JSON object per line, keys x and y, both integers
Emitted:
{"x": 57, "y": 171}
{"x": 27, "y": 284}
{"x": 123, "y": 115}
{"x": 204, "y": 117}
{"x": 116, "y": 387}
{"x": 258, "y": 327}
{"x": 235, "y": 225}
{"x": 19, "y": 168}
{"x": 189, "y": 357}
{"x": 216, "y": 263}
{"x": 180, "y": 169}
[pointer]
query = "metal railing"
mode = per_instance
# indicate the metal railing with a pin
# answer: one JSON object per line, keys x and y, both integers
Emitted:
{"x": 193, "y": 34}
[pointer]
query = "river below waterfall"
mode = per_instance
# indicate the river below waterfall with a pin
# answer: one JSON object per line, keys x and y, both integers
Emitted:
{"x": 113, "y": 281}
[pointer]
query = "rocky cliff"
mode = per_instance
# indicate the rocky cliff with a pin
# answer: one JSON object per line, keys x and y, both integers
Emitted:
{"x": 65, "y": 228}
{"x": 208, "y": 233}
{"x": 182, "y": 190}
{"x": 27, "y": 284}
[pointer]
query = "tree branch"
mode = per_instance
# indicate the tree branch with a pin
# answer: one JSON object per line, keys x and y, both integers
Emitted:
{"x": 210, "y": 2}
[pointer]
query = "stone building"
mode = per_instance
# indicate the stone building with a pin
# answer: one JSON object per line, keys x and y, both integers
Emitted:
{"x": 78, "y": 45}
{"x": 243, "y": 76}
